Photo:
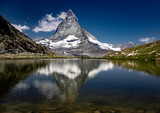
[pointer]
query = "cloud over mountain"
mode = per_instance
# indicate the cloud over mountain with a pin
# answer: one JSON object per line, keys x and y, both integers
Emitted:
{"x": 147, "y": 39}
{"x": 49, "y": 23}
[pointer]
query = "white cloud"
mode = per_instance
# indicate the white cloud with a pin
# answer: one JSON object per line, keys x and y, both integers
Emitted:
{"x": 49, "y": 23}
{"x": 47, "y": 88}
{"x": 62, "y": 15}
{"x": 147, "y": 39}
{"x": 20, "y": 27}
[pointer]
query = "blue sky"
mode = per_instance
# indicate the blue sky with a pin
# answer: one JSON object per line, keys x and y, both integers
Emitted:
{"x": 111, "y": 21}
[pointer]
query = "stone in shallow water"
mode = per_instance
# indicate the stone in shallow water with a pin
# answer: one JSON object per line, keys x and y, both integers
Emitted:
{"x": 97, "y": 111}
{"x": 81, "y": 112}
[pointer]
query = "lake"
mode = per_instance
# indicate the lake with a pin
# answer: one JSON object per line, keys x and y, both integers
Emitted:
{"x": 79, "y": 86}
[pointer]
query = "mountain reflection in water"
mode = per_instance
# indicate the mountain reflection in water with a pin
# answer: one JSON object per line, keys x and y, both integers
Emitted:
{"x": 70, "y": 75}
{"x": 67, "y": 84}
{"x": 145, "y": 67}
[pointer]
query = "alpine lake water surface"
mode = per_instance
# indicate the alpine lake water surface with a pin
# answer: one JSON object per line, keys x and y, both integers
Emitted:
{"x": 79, "y": 86}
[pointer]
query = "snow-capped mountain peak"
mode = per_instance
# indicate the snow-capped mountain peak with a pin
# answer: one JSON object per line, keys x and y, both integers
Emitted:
{"x": 71, "y": 39}
{"x": 70, "y": 13}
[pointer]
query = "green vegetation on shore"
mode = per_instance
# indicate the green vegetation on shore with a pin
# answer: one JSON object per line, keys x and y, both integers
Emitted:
{"x": 30, "y": 56}
{"x": 149, "y": 51}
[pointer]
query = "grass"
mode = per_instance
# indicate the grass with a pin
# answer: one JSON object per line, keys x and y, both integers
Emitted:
{"x": 136, "y": 57}
{"x": 149, "y": 51}
{"x": 30, "y": 56}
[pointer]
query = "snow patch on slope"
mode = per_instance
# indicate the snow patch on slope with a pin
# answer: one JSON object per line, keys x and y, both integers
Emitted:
{"x": 103, "y": 45}
{"x": 70, "y": 42}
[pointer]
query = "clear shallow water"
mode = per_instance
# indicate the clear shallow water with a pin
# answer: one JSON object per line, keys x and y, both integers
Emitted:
{"x": 77, "y": 85}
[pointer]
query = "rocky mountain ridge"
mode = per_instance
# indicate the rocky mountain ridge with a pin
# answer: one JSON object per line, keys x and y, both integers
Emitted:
{"x": 71, "y": 39}
{"x": 12, "y": 41}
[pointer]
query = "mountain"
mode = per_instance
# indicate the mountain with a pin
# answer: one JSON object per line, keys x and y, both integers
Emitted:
{"x": 128, "y": 45}
{"x": 13, "y": 41}
{"x": 38, "y": 39}
{"x": 148, "y": 51}
{"x": 71, "y": 39}
{"x": 125, "y": 45}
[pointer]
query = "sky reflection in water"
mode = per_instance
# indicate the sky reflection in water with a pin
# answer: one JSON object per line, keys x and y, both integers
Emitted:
{"x": 39, "y": 85}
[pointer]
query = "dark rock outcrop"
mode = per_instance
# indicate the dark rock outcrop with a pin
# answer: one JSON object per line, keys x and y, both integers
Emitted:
{"x": 13, "y": 41}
